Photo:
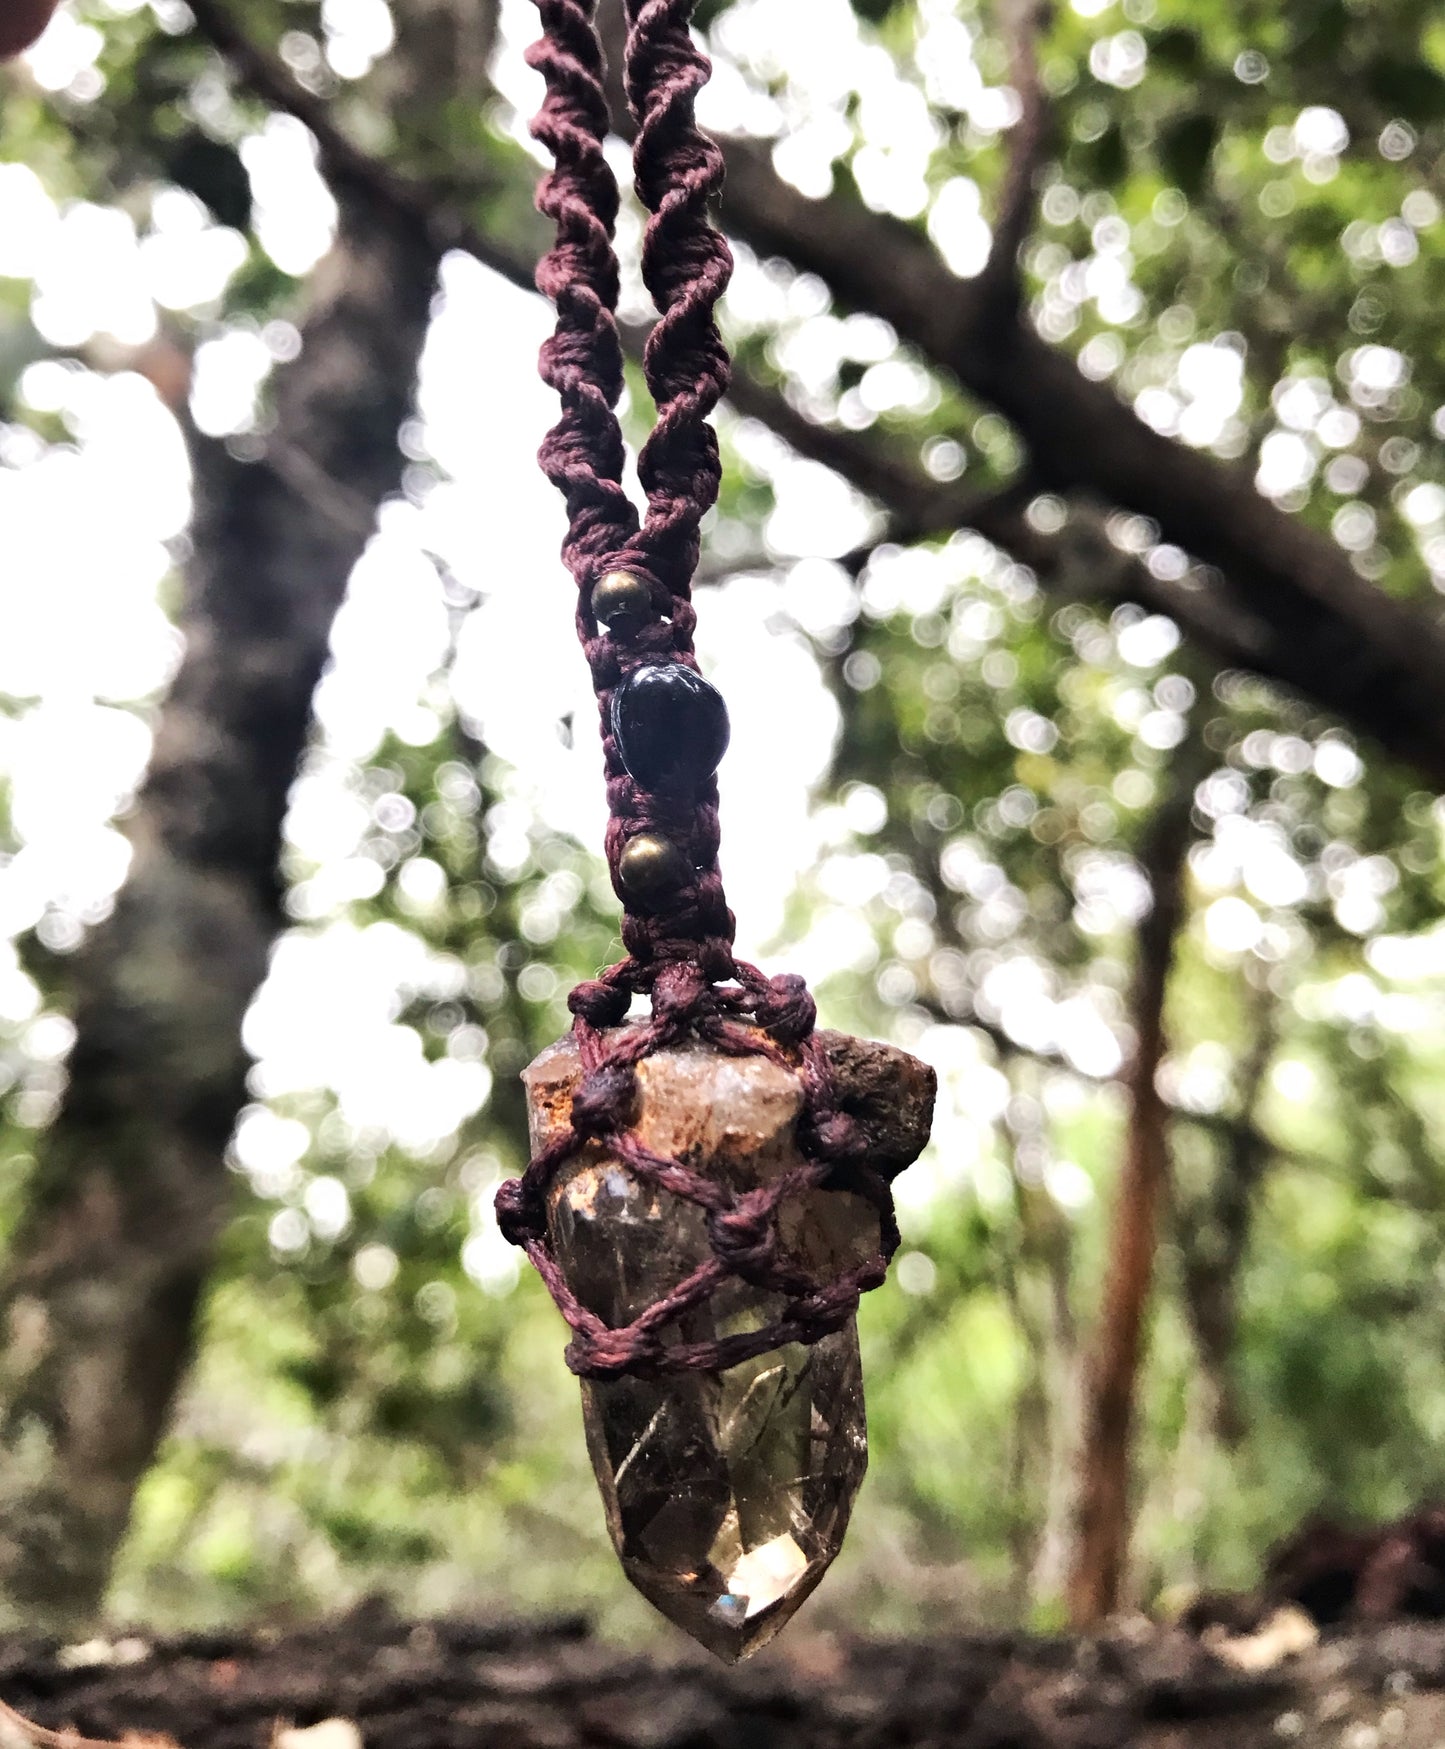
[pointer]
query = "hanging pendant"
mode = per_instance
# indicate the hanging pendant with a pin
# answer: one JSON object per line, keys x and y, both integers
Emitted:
{"x": 726, "y": 1493}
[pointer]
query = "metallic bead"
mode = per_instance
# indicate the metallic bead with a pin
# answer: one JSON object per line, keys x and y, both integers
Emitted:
{"x": 650, "y": 868}
{"x": 622, "y": 603}
{"x": 671, "y": 727}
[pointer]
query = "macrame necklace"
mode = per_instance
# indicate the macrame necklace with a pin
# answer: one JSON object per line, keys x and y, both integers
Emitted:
{"x": 709, "y": 1188}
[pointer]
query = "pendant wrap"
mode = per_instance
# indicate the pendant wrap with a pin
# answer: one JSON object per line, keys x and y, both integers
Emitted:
{"x": 727, "y": 1491}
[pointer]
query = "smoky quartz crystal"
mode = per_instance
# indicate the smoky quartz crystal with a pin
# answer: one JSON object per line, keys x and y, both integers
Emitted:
{"x": 726, "y": 1493}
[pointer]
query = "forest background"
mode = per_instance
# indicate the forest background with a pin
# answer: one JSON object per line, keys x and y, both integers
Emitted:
{"x": 1084, "y": 506}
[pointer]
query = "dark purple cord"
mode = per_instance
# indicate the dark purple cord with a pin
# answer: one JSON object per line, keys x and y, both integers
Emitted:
{"x": 679, "y": 944}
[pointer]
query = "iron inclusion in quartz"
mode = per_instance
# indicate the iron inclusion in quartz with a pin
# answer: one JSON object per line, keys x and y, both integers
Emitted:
{"x": 726, "y": 1494}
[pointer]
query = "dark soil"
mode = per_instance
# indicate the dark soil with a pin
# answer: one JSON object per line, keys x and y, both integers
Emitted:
{"x": 456, "y": 1684}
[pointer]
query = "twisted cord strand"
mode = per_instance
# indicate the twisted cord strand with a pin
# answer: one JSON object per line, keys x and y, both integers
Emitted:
{"x": 680, "y": 954}
{"x": 583, "y": 454}
{"x": 686, "y": 266}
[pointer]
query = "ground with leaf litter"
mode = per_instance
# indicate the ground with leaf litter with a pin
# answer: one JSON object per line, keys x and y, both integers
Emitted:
{"x": 373, "y": 1680}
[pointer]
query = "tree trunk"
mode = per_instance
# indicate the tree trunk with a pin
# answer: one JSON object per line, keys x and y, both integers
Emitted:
{"x": 98, "y": 1301}
{"x": 1213, "y": 1231}
{"x": 1102, "y": 1524}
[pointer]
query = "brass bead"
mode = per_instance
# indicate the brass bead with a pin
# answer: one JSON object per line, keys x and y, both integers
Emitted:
{"x": 622, "y": 603}
{"x": 651, "y": 867}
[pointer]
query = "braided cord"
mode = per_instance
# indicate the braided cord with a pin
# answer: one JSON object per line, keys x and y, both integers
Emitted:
{"x": 686, "y": 266}
{"x": 680, "y": 949}
{"x": 583, "y": 454}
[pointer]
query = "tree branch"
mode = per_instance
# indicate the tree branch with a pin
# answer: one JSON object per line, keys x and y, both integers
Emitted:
{"x": 1283, "y": 600}
{"x": 345, "y": 164}
{"x": 1075, "y": 562}
{"x": 1288, "y": 606}
{"x": 1024, "y": 21}
{"x": 1376, "y": 661}
{"x": 1102, "y": 1529}
{"x": 918, "y": 506}
{"x": 18, "y": 1732}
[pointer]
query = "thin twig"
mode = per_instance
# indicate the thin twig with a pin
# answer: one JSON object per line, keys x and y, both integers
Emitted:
{"x": 1024, "y": 21}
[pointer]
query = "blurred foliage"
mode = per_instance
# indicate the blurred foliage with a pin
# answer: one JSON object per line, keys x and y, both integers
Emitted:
{"x": 1241, "y": 229}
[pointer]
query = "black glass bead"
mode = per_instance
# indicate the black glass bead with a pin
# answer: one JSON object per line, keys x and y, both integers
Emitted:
{"x": 671, "y": 727}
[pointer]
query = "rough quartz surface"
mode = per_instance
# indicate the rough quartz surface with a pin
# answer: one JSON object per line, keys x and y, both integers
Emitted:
{"x": 726, "y": 1494}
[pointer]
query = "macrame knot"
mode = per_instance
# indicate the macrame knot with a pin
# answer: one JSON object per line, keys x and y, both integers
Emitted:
{"x": 715, "y": 959}
{"x": 656, "y": 643}
{"x": 786, "y": 1009}
{"x": 519, "y": 1213}
{"x": 742, "y": 1236}
{"x": 831, "y": 1307}
{"x": 614, "y": 1354}
{"x": 872, "y": 1274}
{"x": 605, "y": 1100}
{"x": 680, "y": 992}
{"x": 600, "y": 1004}
{"x": 836, "y": 1137}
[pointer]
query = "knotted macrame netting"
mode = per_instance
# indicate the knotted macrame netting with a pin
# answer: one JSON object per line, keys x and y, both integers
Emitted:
{"x": 680, "y": 945}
